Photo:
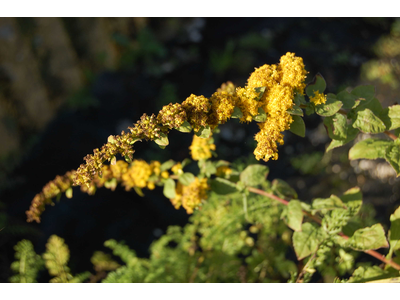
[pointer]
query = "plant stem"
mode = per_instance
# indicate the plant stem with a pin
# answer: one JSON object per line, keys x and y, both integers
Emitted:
{"x": 316, "y": 219}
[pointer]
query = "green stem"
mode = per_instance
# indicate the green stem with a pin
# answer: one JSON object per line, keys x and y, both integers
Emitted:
{"x": 245, "y": 206}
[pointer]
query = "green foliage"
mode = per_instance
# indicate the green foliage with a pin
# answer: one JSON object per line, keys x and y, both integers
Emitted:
{"x": 27, "y": 264}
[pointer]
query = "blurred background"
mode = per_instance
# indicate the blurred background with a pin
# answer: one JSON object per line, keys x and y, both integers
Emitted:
{"x": 66, "y": 84}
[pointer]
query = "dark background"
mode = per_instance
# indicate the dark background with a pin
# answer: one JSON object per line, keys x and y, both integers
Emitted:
{"x": 66, "y": 84}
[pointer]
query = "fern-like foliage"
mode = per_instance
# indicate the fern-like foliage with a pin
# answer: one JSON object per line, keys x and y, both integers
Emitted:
{"x": 27, "y": 264}
{"x": 56, "y": 259}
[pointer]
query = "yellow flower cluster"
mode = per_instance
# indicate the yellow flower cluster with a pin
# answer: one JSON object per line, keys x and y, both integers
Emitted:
{"x": 191, "y": 196}
{"x": 201, "y": 148}
{"x": 281, "y": 82}
{"x": 139, "y": 173}
{"x": 319, "y": 98}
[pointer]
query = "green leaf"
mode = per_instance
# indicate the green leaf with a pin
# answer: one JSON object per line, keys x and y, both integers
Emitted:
{"x": 237, "y": 113}
{"x": 293, "y": 215}
{"x": 349, "y": 100}
{"x": 367, "y": 122}
{"x": 296, "y": 111}
{"x": 185, "y": 162}
{"x": 352, "y": 198}
{"x": 392, "y": 156}
{"x": 299, "y": 99}
{"x": 364, "y": 91}
{"x": 307, "y": 241}
{"x": 336, "y": 126}
{"x": 298, "y": 127}
{"x": 222, "y": 186}
{"x": 328, "y": 203}
{"x": 329, "y": 108}
{"x": 254, "y": 175}
{"x": 261, "y": 117}
{"x": 167, "y": 165}
{"x": 185, "y": 127}
{"x": 368, "y": 238}
{"x": 68, "y": 193}
{"x": 169, "y": 188}
{"x": 283, "y": 189}
{"x": 138, "y": 191}
{"x": 369, "y": 274}
{"x": 351, "y": 135}
{"x": 394, "y": 233}
{"x": 260, "y": 91}
{"x": 204, "y": 132}
{"x": 394, "y": 115}
{"x": 317, "y": 84}
{"x": 186, "y": 178}
{"x": 163, "y": 140}
{"x": 370, "y": 149}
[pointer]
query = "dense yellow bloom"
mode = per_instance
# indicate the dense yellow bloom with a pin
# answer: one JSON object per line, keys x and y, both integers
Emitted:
{"x": 281, "y": 82}
{"x": 137, "y": 176}
{"x": 191, "y": 196}
{"x": 222, "y": 106}
{"x": 164, "y": 174}
{"x": 201, "y": 148}
{"x": 318, "y": 98}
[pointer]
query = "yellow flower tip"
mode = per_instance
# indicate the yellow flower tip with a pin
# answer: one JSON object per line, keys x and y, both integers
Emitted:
{"x": 165, "y": 174}
{"x": 177, "y": 169}
{"x": 318, "y": 98}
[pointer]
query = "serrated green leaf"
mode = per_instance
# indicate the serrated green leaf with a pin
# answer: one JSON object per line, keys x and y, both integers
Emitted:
{"x": 317, "y": 84}
{"x": 394, "y": 233}
{"x": 349, "y": 100}
{"x": 261, "y": 117}
{"x": 163, "y": 140}
{"x": 167, "y": 165}
{"x": 369, "y": 238}
{"x": 295, "y": 111}
{"x": 169, "y": 188}
{"x": 186, "y": 178}
{"x": 367, "y": 122}
{"x": 204, "y": 132}
{"x": 254, "y": 175}
{"x": 336, "y": 126}
{"x": 329, "y": 108}
{"x": 307, "y": 241}
{"x": 364, "y": 91}
{"x": 185, "y": 127}
{"x": 370, "y": 149}
{"x": 293, "y": 215}
{"x": 237, "y": 113}
{"x": 392, "y": 156}
{"x": 222, "y": 186}
{"x": 283, "y": 189}
{"x": 351, "y": 135}
{"x": 298, "y": 127}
